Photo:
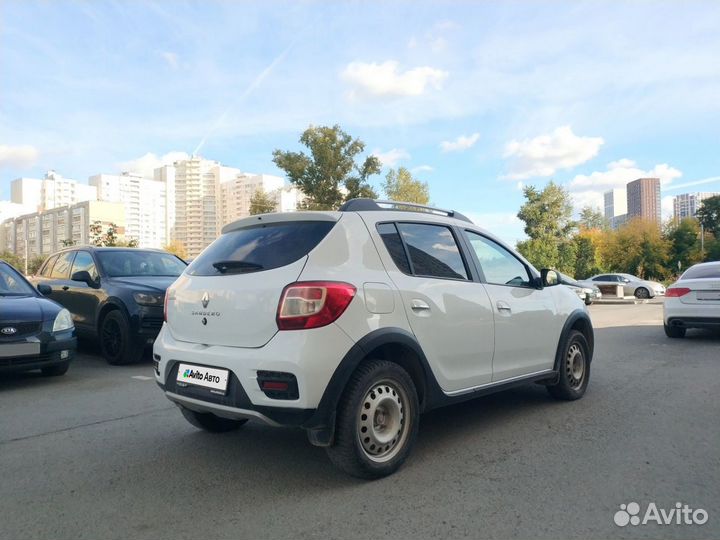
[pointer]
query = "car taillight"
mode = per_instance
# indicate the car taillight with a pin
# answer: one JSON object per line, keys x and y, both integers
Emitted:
{"x": 676, "y": 292}
{"x": 312, "y": 304}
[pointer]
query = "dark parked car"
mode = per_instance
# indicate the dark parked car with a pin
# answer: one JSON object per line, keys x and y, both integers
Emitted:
{"x": 35, "y": 332}
{"x": 115, "y": 295}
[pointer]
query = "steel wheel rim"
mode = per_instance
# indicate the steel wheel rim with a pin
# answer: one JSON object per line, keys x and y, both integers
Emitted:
{"x": 112, "y": 338}
{"x": 382, "y": 422}
{"x": 575, "y": 365}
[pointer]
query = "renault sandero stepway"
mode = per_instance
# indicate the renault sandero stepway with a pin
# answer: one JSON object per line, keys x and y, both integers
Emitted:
{"x": 350, "y": 324}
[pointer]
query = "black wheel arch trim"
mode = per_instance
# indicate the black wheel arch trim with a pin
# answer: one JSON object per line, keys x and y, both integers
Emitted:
{"x": 586, "y": 327}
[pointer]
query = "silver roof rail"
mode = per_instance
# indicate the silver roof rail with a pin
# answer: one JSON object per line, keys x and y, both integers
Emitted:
{"x": 369, "y": 205}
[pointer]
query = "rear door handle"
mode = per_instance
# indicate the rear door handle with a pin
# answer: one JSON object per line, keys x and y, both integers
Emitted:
{"x": 419, "y": 305}
{"x": 503, "y": 306}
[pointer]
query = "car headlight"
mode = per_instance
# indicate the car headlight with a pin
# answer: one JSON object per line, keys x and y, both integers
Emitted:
{"x": 149, "y": 299}
{"x": 63, "y": 321}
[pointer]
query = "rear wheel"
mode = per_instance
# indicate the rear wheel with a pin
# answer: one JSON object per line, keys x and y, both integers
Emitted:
{"x": 117, "y": 345}
{"x": 674, "y": 331}
{"x": 377, "y": 422}
{"x": 55, "y": 370}
{"x": 642, "y": 292}
{"x": 211, "y": 422}
{"x": 574, "y": 369}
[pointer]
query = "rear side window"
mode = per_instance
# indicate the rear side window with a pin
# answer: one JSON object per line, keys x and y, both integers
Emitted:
{"x": 433, "y": 250}
{"x": 61, "y": 270}
{"x": 391, "y": 238}
{"x": 258, "y": 248}
{"x": 47, "y": 267}
{"x": 702, "y": 272}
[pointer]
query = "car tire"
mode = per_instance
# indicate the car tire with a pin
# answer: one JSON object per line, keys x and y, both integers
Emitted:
{"x": 642, "y": 293}
{"x": 117, "y": 345}
{"x": 674, "y": 331}
{"x": 55, "y": 370}
{"x": 210, "y": 422}
{"x": 574, "y": 369}
{"x": 376, "y": 444}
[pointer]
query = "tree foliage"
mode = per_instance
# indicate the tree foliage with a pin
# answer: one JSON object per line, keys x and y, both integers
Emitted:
{"x": 109, "y": 237}
{"x": 401, "y": 186}
{"x": 176, "y": 248}
{"x": 684, "y": 238}
{"x": 331, "y": 174}
{"x": 709, "y": 214}
{"x": 591, "y": 218}
{"x": 638, "y": 248}
{"x": 262, "y": 202}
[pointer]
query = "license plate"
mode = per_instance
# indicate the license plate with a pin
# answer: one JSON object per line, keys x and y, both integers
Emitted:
{"x": 8, "y": 350}
{"x": 214, "y": 379}
{"x": 708, "y": 295}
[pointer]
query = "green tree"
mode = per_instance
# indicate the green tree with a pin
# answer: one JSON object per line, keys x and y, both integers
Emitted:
{"x": 109, "y": 237}
{"x": 176, "y": 248}
{"x": 68, "y": 242}
{"x": 638, "y": 248}
{"x": 13, "y": 260}
{"x": 401, "y": 186}
{"x": 590, "y": 218}
{"x": 709, "y": 214}
{"x": 330, "y": 175}
{"x": 262, "y": 202}
{"x": 34, "y": 264}
{"x": 684, "y": 244}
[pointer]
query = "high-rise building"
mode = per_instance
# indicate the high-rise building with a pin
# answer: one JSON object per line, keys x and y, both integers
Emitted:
{"x": 51, "y": 191}
{"x": 615, "y": 207}
{"x": 643, "y": 199}
{"x": 236, "y": 193}
{"x": 41, "y": 233}
{"x": 145, "y": 205}
{"x": 687, "y": 204}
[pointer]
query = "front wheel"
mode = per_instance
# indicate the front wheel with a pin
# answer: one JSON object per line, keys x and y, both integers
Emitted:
{"x": 674, "y": 331}
{"x": 377, "y": 421}
{"x": 210, "y": 422}
{"x": 642, "y": 293}
{"x": 117, "y": 345}
{"x": 574, "y": 369}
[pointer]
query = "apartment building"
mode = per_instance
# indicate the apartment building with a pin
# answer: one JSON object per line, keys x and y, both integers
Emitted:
{"x": 235, "y": 194}
{"x": 145, "y": 203}
{"x": 616, "y": 207}
{"x": 686, "y": 205}
{"x": 643, "y": 199}
{"x": 41, "y": 233}
{"x": 51, "y": 191}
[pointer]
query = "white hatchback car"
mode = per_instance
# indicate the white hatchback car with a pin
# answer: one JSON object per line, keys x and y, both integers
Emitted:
{"x": 349, "y": 324}
{"x": 693, "y": 301}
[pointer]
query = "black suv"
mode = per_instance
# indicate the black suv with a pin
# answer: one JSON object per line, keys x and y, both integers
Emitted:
{"x": 115, "y": 295}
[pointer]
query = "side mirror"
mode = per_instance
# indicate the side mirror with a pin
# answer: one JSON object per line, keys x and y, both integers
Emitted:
{"x": 548, "y": 277}
{"x": 84, "y": 277}
{"x": 44, "y": 289}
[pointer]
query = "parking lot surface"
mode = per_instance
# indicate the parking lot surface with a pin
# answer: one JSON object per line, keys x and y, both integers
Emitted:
{"x": 100, "y": 453}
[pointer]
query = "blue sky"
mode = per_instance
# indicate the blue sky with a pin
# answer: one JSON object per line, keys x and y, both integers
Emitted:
{"x": 477, "y": 98}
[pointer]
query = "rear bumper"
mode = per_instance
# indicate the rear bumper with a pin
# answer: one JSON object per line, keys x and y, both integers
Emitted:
{"x": 677, "y": 313}
{"x": 694, "y": 322}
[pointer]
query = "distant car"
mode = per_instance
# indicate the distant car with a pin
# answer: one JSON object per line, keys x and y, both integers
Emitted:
{"x": 632, "y": 285}
{"x": 115, "y": 295}
{"x": 587, "y": 292}
{"x": 693, "y": 301}
{"x": 35, "y": 332}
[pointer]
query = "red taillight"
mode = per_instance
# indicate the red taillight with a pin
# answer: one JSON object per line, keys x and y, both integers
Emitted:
{"x": 312, "y": 304}
{"x": 676, "y": 292}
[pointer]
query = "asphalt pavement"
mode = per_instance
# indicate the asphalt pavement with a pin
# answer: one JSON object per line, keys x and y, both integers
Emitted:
{"x": 100, "y": 453}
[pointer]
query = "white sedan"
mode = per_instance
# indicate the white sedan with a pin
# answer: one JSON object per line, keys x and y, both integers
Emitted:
{"x": 693, "y": 301}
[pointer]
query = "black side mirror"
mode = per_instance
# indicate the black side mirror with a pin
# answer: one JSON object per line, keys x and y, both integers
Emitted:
{"x": 44, "y": 289}
{"x": 549, "y": 277}
{"x": 84, "y": 277}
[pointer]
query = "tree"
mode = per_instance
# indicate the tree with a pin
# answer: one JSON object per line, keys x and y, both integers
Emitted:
{"x": 68, "y": 242}
{"x": 638, "y": 248}
{"x": 684, "y": 243}
{"x": 330, "y": 175}
{"x": 590, "y": 218}
{"x": 176, "y": 248}
{"x": 109, "y": 237}
{"x": 588, "y": 248}
{"x": 709, "y": 214}
{"x": 13, "y": 260}
{"x": 34, "y": 264}
{"x": 401, "y": 186}
{"x": 262, "y": 202}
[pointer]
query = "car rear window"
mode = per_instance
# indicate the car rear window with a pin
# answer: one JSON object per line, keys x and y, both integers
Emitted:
{"x": 702, "y": 272}
{"x": 259, "y": 248}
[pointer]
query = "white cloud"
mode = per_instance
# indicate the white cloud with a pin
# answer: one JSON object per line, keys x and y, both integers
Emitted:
{"x": 422, "y": 169}
{"x": 666, "y": 204}
{"x": 23, "y": 155}
{"x": 170, "y": 58}
{"x": 463, "y": 142}
{"x": 588, "y": 189}
{"x": 146, "y": 164}
{"x": 386, "y": 79}
{"x": 391, "y": 157}
{"x": 545, "y": 154}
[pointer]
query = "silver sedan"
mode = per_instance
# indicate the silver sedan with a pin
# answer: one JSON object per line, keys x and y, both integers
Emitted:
{"x": 632, "y": 285}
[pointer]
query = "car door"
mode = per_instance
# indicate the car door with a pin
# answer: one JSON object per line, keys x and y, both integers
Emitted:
{"x": 59, "y": 278}
{"x": 449, "y": 313}
{"x": 527, "y": 326}
{"x": 82, "y": 299}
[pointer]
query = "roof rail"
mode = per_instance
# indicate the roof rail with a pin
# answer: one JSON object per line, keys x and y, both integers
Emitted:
{"x": 370, "y": 205}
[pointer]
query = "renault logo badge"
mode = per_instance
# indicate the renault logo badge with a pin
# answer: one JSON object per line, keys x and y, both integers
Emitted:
{"x": 205, "y": 299}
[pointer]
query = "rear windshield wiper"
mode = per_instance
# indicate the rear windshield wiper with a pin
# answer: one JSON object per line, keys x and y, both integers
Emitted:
{"x": 236, "y": 266}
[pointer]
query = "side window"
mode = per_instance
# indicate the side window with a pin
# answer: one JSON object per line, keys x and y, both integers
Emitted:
{"x": 84, "y": 261}
{"x": 433, "y": 251}
{"x": 47, "y": 267}
{"x": 603, "y": 278}
{"x": 499, "y": 266}
{"x": 393, "y": 243}
{"x": 61, "y": 270}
